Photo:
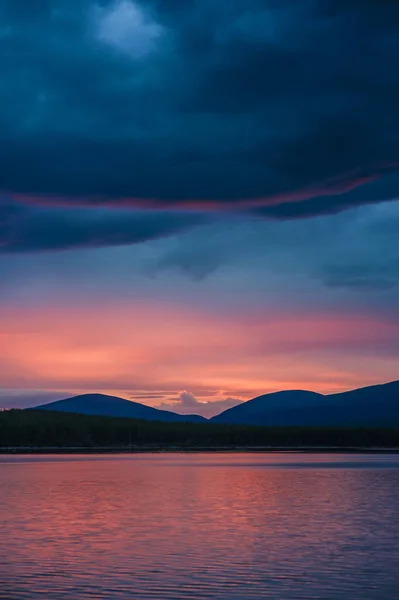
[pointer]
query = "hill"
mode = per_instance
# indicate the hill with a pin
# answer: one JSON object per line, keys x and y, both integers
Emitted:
{"x": 112, "y": 406}
{"x": 374, "y": 406}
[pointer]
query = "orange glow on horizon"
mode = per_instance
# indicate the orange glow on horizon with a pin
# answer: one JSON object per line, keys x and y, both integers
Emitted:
{"x": 153, "y": 346}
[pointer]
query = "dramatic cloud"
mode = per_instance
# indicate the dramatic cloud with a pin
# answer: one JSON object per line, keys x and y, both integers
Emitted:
{"x": 25, "y": 229}
{"x": 287, "y": 107}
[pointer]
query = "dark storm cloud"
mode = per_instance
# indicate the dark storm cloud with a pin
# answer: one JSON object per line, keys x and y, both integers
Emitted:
{"x": 353, "y": 193}
{"x": 171, "y": 102}
{"x": 25, "y": 228}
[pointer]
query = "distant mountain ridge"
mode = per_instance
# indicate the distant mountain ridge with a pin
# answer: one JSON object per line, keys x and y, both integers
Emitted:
{"x": 373, "y": 406}
{"x": 112, "y": 406}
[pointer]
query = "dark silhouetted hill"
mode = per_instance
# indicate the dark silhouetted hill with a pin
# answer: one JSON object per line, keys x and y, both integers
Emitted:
{"x": 374, "y": 406}
{"x": 112, "y": 406}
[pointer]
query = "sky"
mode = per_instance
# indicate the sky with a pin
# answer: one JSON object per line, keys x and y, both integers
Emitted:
{"x": 199, "y": 200}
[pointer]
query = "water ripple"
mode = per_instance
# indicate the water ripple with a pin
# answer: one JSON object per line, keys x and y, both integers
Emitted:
{"x": 219, "y": 527}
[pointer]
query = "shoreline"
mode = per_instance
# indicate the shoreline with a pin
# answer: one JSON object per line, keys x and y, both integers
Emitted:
{"x": 197, "y": 450}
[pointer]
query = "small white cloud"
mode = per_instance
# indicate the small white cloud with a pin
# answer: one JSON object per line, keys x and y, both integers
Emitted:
{"x": 187, "y": 403}
{"x": 188, "y": 399}
{"x": 125, "y": 27}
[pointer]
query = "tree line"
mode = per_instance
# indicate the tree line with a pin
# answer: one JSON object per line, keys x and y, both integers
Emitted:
{"x": 42, "y": 429}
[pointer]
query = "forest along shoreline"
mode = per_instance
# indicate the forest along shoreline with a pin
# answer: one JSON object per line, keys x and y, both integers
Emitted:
{"x": 199, "y": 450}
{"x": 33, "y": 431}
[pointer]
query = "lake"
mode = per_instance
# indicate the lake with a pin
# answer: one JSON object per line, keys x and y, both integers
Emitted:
{"x": 199, "y": 526}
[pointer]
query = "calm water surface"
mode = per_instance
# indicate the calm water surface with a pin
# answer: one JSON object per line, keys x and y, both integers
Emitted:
{"x": 199, "y": 526}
